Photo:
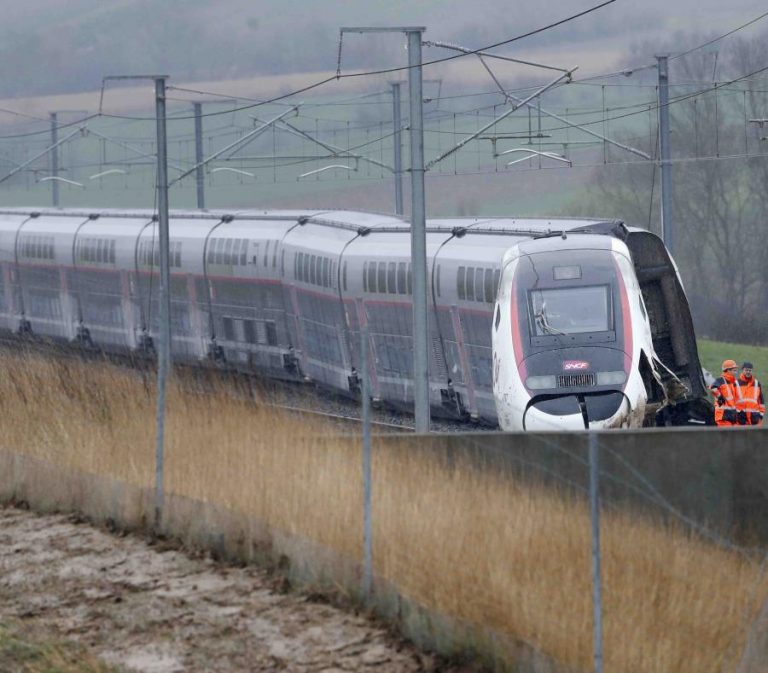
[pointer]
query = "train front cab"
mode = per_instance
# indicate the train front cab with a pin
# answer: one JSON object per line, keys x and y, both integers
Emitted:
{"x": 565, "y": 352}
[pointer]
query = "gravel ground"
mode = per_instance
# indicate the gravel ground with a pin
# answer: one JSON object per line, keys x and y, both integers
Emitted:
{"x": 146, "y": 608}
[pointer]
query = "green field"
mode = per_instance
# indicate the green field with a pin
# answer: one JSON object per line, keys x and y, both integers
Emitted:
{"x": 712, "y": 354}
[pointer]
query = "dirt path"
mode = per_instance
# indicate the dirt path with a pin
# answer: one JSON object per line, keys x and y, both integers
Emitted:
{"x": 161, "y": 611}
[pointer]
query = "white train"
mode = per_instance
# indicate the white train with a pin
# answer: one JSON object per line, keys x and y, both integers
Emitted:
{"x": 591, "y": 326}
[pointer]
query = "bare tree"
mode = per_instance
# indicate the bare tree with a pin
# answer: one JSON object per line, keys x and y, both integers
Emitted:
{"x": 720, "y": 188}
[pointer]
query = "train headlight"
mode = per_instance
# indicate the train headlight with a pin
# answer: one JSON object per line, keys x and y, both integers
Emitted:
{"x": 540, "y": 382}
{"x": 611, "y": 378}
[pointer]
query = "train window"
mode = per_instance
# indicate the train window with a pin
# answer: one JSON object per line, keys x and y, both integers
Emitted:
{"x": 365, "y": 276}
{"x": 228, "y": 252}
{"x": 460, "y": 282}
{"x": 392, "y": 278}
{"x": 210, "y": 250}
{"x": 371, "y": 276}
{"x": 326, "y": 272}
{"x": 496, "y": 278}
{"x": 255, "y": 255}
{"x": 571, "y": 310}
{"x": 176, "y": 257}
{"x": 479, "y": 285}
{"x": 490, "y": 289}
{"x": 401, "y": 278}
{"x": 344, "y": 276}
{"x": 112, "y": 245}
{"x": 382, "y": 277}
{"x": 437, "y": 280}
{"x": 470, "y": 285}
{"x": 271, "y": 329}
{"x": 305, "y": 273}
{"x": 236, "y": 251}
{"x": 266, "y": 254}
{"x": 297, "y": 266}
{"x": 249, "y": 332}
{"x": 410, "y": 280}
{"x": 229, "y": 329}
{"x": 244, "y": 252}
{"x": 282, "y": 262}
{"x": 497, "y": 320}
{"x": 274, "y": 255}
{"x": 219, "y": 251}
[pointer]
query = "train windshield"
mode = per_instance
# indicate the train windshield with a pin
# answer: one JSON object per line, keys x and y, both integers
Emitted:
{"x": 571, "y": 310}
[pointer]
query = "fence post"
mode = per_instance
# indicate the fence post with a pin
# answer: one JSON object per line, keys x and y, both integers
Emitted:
{"x": 367, "y": 520}
{"x": 594, "y": 512}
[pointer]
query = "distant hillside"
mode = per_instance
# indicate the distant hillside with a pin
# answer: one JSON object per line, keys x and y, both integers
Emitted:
{"x": 49, "y": 46}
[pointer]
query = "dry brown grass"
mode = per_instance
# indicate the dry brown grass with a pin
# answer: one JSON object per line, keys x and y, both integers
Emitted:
{"x": 474, "y": 545}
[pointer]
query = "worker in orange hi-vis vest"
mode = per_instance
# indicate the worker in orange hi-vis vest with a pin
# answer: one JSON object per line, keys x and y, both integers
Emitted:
{"x": 753, "y": 403}
{"x": 727, "y": 393}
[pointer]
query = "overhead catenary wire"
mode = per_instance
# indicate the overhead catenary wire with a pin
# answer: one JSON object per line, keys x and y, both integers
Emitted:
{"x": 586, "y": 80}
{"x": 370, "y": 73}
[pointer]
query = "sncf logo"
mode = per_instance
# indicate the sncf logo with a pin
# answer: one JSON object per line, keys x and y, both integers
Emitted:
{"x": 575, "y": 365}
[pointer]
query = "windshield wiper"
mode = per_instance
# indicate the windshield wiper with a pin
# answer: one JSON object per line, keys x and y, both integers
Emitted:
{"x": 543, "y": 322}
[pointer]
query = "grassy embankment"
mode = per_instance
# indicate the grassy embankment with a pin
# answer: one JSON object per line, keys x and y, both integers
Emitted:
{"x": 712, "y": 354}
{"x": 25, "y": 652}
{"x": 474, "y": 545}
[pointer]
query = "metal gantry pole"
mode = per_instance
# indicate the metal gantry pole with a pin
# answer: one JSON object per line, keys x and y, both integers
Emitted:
{"x": 594, "y": 512}
{"x": 398, "y": 142}
{"x": 55, "y": 160}
{"x": 164, "y": 346}
{"x": 667, "y": 218}
{"x": 418, "y": 218}
{"x": 418, "y": 235}
{"x": 199, "y": 155}
{"x": 367, "y": 504}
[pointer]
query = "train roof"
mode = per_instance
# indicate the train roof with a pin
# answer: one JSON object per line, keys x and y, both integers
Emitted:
{"x": 353, "y": 220}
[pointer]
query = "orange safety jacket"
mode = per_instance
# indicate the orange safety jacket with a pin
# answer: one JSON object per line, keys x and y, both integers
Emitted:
{"x": 728, "y": 401}
{"x": 752, "y": 400}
